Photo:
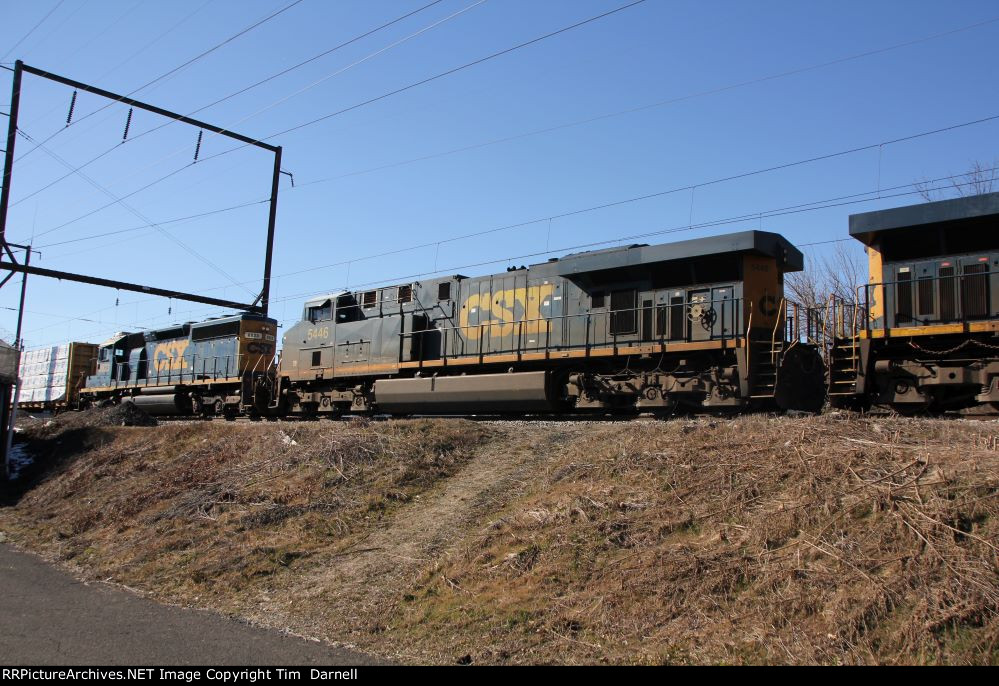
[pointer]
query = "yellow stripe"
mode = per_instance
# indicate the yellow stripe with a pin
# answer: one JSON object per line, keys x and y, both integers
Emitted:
{"x": 126, "y": 387}
{"x": 933, "y": 330}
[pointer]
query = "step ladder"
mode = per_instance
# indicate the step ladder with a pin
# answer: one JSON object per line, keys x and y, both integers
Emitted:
{"x": 843, "y": 364}
{"x": 764, "y": 356}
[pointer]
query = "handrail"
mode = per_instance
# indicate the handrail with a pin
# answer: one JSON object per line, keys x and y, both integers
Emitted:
{"x": 957, "y": 281}
{"x": 167, "y": 375}
{"x": 603, "y": 313}
{"x": 781, "y": 308}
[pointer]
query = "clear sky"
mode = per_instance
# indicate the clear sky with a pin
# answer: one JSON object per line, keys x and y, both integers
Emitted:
{"x": 666, "y": 94}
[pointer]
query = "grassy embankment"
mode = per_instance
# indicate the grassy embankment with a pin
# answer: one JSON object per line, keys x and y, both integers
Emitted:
{"x": 832, "y": 539}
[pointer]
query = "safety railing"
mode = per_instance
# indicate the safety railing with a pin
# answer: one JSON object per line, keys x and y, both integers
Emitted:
{"x": 187, "y": 369}
{"x": 930, "y": 300}
{"x": 803, "y": 324}
{"x": 658, "y": 323}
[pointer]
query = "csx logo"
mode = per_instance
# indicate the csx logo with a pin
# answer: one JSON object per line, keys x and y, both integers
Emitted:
{"x": 169, "y": 356}
{"x": 259, "y": 348}
{"x": 501, "y": 310}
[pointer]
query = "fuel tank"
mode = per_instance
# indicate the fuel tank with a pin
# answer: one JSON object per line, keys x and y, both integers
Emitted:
{"x": 479, "y": 393}
{"x": 162, "y": 402}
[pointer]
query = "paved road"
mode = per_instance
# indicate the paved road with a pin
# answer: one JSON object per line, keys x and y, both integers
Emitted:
{"x": 49, "y": 618}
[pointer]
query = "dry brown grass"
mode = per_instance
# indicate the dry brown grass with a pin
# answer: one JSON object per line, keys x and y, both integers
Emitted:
{"x": 817, "y": 540}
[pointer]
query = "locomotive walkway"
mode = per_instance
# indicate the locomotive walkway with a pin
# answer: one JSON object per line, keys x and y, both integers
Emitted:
{"x": 49, "y": 618}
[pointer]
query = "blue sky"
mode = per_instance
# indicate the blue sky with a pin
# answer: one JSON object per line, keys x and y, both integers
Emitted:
{"x": 358, "y": 191}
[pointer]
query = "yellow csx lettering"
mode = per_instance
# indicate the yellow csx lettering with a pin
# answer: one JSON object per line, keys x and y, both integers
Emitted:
{"x": 321, "y": 332}
{"x": 169, "y": 356}
{"x": 502, "y": 310}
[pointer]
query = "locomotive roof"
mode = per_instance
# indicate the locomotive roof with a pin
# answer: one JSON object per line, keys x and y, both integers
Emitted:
{"x": 748, "y": 242}
{"x": 958, "y": 213}
{"x": 175, "y": 330}
{"x": 114, "y": 339}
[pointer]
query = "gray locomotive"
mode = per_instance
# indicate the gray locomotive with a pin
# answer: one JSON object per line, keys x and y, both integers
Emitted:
{"x": 699, "y": 325}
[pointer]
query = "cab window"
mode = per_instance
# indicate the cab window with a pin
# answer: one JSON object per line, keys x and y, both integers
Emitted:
{"x": 319, "y": 313}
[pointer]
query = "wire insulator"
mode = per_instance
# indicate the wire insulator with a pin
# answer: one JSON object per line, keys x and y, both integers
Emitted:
{"x": 72, "y": 106}
{"x": 128, "y": 125}
{"x": 197, "y": 148}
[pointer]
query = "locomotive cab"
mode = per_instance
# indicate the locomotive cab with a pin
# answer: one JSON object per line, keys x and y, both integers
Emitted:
{"x": 923, "y": 331}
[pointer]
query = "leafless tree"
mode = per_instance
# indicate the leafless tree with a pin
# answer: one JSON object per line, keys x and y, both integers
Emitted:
{"x": 837, "y": 273}
{"x": 981, "y": 177}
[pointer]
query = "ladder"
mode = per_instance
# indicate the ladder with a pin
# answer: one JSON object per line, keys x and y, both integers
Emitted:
{"x": 764, "y": 355}
{"x": 842, "y": 350}
{"x": 843, "y": 364}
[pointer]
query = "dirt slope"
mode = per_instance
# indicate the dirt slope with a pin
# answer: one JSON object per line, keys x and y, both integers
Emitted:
{"x": 833, "y": 539}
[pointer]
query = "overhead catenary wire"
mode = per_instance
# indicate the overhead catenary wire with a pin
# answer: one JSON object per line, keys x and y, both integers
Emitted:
{"x": 57, "y": 28}
{"x": 616, "y": 203}
{"x": 661, "y": 103}
{"x": 78, "y": 169}
{"x": 130, "y": 59}
{"x": 191, "y": 251}
{"x": 659, "y": 194}
{"x": 452, "y": 71}
{"x": 32, "y": 29}
{"x": 824, "y": 204}
{"x": 535, "y": 40}
{"x": 174, "y": 220}
{"x": 795, "y": 209}
{"x": 244, "y": 90}
{"x": 174, "y": 70}
{"x": 455, "y": 70}
{"x": 395, "y": 92}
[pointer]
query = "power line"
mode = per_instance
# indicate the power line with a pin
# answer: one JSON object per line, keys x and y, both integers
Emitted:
{"x": 429, "y": 79}
{"x": 381, "y": 97}
{"x": 319, "y": 56}
{"x": 457, "y": 69}
{"x": 146, "y": 46}
{"x": 269, "y": 78}
{"x": 793, "y": 209}
{"x": 827, "y": 203}
{"x": 361, "y": 61}
{"x": 32, "y": 29}
{"x": 677, "y": 229}
{"x": 657, "y": 194}
{"x": 116, "y": 200}
{"x": 451, "y": 71}
{"x": 159, "y": 223}
{"x": 189, "y": 62}
{"x": 593, "y": 208}
{"x": 661, "y": 103}
{"x": 56, "y": 29}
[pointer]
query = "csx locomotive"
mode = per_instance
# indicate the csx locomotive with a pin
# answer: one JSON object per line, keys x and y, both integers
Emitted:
{"x": 698, "y": 324}
{"x": 923, "y": 333}
{"x": 694, "y": 325}
{"x": 206, "y": 368}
